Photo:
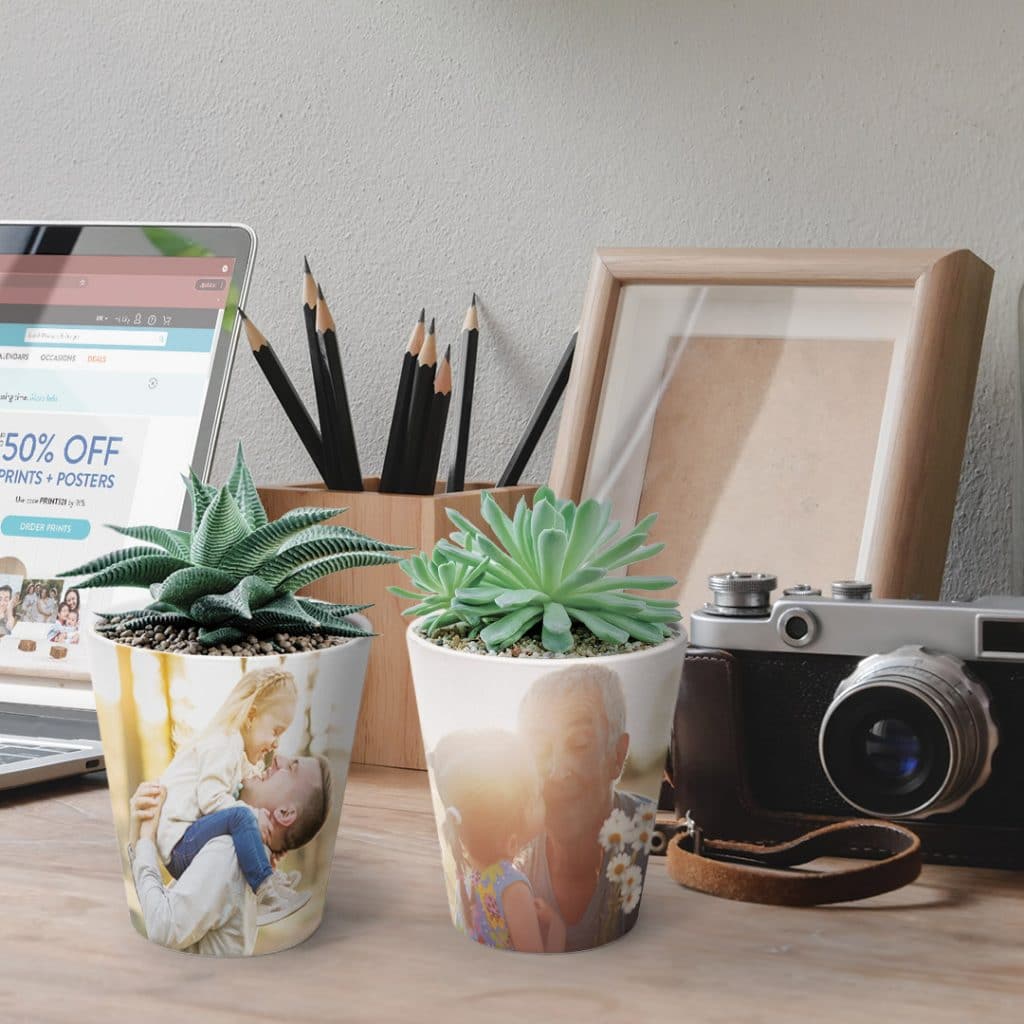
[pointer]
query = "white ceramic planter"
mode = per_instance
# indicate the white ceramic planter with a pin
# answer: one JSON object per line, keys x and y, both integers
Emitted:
{"x": 545, "y": 775}
{"x": 152, "y": 705}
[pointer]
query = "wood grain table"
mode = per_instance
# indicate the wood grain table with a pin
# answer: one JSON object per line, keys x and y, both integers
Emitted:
{"x": 949, "y": 948}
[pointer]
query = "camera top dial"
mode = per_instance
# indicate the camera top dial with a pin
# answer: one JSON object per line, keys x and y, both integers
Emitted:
{"x": 740, "y": 594}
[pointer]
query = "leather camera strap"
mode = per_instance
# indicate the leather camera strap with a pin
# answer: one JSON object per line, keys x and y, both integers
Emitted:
{"x": 759, "y": 874}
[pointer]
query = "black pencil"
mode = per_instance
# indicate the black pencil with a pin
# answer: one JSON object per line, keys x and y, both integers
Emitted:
{"x": 419, "y": 411}
{"x": 471, "y": 327}
{"x": 321, "y": 382}
{"x": 344, "y": 437}
{"x": 285, "y": 392}
{"x": 539, "y": 421}
{"x": 391, "y": 473}
{"x": 437, "y": 420}
{"x": 309, "y": 305}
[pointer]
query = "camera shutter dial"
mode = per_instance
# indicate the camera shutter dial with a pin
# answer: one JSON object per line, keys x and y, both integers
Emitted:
{"x": 741, "y": 593}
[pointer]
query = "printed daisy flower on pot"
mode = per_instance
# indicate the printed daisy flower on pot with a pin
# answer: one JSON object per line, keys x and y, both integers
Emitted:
{"x": 227, "y": 708}
{"x": 629, "y": 888}
{"x": 545, "y": 679}
{"x": 617, "y": 832}
{"x": 629, "y": 842}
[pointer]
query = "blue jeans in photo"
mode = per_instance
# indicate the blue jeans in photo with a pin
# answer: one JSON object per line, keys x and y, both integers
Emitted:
{"x": 239, "y": 823}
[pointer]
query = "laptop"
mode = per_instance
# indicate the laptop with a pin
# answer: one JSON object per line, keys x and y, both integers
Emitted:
{"x": 39, "y": 743}
{"x": 116, "y": 343}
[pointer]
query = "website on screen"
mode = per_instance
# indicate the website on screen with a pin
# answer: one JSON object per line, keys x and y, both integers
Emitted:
{"x": 104, "y": 371}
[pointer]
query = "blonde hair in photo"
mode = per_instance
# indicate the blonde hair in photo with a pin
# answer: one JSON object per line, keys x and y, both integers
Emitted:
{"x": 253, "y": 692}
{"x": 489, "y": 786}
{"x": 488, "y": 783}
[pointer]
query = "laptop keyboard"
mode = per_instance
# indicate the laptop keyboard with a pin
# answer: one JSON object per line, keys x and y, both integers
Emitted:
{"x": 10, "y": 753}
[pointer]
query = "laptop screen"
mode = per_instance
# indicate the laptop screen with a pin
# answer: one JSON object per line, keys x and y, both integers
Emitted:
{"x": 105, "y": 375}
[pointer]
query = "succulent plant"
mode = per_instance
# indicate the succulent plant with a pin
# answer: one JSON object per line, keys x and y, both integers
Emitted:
{"x": 550, "y": 567}
{"x": 236, "y": 573}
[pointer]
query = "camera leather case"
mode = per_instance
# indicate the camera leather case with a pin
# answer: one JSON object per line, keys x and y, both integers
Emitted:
{"x": 744, "y": 763}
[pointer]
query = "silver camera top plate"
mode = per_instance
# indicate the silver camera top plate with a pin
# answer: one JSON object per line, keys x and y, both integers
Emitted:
{"x": 990, "y": 628}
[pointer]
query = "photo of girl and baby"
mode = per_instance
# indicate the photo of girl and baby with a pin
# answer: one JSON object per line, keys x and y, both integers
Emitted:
{"x": 231, "y": 814}
{"x": 546, "y": 826}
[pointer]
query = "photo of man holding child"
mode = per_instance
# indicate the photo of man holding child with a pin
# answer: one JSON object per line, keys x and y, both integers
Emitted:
{"x": 228, "y": 802}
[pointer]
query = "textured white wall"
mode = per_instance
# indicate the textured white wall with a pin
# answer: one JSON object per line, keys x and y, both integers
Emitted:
{"x": 417, "y": 151}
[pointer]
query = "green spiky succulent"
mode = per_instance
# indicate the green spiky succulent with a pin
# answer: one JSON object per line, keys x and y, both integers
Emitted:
{"x": 236, "y": 574}
{"x": 550, "y": 569}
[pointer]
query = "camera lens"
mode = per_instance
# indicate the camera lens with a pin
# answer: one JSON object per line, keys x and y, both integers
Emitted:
{"x": 908, "y": 734}
{"x": 892, "y": 749}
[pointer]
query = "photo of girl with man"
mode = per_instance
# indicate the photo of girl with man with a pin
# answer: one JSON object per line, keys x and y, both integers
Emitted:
{"x": 546, "y": 853}
{"x": 207, "y": 836}
{"x": 204, "y": 780}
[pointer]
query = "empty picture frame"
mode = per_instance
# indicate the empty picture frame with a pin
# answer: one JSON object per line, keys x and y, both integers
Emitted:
{"x": 799, "y": 412}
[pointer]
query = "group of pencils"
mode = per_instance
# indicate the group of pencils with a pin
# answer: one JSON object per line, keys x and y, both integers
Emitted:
{"x": 420, "y": 416}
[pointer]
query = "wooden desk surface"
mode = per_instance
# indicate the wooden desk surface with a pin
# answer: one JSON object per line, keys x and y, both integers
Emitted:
{"x": 949, "y": 948}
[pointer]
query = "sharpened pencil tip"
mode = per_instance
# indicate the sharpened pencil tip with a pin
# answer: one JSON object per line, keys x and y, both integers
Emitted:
{"x": 428, "y": 350}
{"x": 416, "y": 336}
{"x": 443, "y": 375}
{"x": 473, "y": 303}
{"x": 308, "y": 288}
{"x": 431, "y": 331}
{"x": 324, "y": 321}
{"x": 252, "y": 335}
{"x": 319, "y": 292}
{"x": 241, "y": 313}
{"x": 423, "y": 315}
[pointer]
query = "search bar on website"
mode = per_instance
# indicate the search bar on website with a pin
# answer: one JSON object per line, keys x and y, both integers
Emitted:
{"x": 17, "y": 280}
{"x": 75, "y": 336}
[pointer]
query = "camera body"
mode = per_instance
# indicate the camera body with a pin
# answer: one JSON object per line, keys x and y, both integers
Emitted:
{"x": 814, "y": 709}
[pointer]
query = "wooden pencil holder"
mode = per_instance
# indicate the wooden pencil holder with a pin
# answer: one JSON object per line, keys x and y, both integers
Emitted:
{"x": 388, "y": 732}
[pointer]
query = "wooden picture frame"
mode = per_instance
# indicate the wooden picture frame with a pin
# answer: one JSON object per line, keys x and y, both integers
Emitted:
{"x": 805, "y": 413}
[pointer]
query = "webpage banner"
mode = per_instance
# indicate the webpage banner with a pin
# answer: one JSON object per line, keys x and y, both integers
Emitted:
{"x": 100, "y": 407}
{"x": 62, "y": 477}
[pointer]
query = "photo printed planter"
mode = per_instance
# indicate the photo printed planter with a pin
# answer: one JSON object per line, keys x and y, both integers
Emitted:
{"x": 545, "y": 773}
{"x": 252, "y": 755}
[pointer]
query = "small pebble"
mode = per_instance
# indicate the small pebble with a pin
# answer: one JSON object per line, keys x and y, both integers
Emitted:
{"x": 185, "y": 640}
{"x": 584, "y": 645}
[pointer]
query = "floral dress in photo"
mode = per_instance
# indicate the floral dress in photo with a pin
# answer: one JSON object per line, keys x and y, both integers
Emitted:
{"x": 485, "y": 889}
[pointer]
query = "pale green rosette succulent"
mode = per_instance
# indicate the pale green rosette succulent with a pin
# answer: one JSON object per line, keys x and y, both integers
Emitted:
{"x": 551, "y": 567}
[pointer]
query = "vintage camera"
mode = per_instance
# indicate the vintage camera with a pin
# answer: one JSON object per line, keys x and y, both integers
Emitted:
{"x": 813, "y": 709}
